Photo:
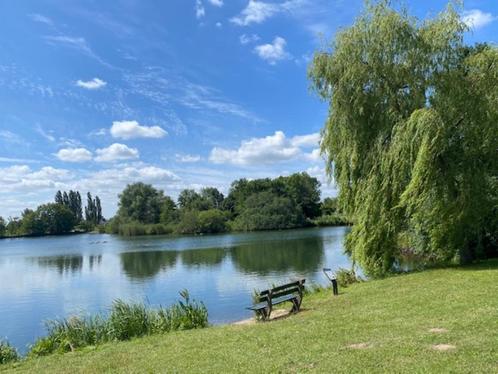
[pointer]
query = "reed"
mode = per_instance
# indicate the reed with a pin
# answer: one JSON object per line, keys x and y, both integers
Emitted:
{"x": 123, "y": 322}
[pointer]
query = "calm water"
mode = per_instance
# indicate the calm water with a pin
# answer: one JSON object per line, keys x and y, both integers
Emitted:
{"x": 51, "y": 277}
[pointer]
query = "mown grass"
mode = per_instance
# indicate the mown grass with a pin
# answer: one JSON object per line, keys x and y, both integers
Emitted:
{"x": 391, "y": 317}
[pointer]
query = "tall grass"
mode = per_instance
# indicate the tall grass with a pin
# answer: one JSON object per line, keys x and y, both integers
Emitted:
{"x": 124, "y": 321}
{"x": 7, "y": 353}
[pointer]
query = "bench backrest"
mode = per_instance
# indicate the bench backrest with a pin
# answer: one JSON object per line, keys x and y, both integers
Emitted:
{"x": 286, "y": 289}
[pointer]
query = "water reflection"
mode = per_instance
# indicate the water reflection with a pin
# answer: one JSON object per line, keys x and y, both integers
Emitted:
{"x": 94, "y": 260}
{"x": 144, "y": 265}
{"x": 63, "y": 264}
{"x": 207, "y": 257}
{"x": 303, "y": 255}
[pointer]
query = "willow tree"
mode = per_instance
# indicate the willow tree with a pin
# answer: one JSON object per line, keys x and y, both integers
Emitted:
{"x": 411, "y": 135}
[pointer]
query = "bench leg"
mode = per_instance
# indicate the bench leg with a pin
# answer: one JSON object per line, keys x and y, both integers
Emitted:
{"x": 296, "y": 304}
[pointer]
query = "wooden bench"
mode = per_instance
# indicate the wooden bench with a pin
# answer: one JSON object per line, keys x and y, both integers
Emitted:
{"x": 265, "y": 300}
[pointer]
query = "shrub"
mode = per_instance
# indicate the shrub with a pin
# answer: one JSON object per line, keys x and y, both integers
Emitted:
{"x": 346, "y": 277}
{"x": 7, "y": 353}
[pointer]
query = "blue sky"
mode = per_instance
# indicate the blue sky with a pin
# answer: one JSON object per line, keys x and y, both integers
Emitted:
{"x": 178, "y": 93}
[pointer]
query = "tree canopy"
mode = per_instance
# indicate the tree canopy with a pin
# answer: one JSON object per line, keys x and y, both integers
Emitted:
{"x": 411, "y": 136}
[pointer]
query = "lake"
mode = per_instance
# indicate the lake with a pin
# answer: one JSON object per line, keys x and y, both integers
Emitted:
{"x": 52, "y": 277}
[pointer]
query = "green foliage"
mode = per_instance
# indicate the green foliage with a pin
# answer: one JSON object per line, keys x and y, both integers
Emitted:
{"x": 334, "y": 219}
{"x": 169, "y": 213}
{"x": 124, "y": 322}
{"x": 346, "y": 277}
{"x": 411, "y": 135}
{"x": 7, "y": 353}
{"x": 3, "y": 227}
{"x": 268, "y": 211}
{"x": 140, "y": 202}
{"x": 212, "y": 221}
{"x": 58, "y": 219}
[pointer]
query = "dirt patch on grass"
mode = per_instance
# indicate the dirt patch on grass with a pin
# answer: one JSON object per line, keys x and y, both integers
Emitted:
{"x": 275, "y": 314}
{"x": 443, "y": 347}
{"x": 360, "y": 346}
{"x": 438, "y": 330}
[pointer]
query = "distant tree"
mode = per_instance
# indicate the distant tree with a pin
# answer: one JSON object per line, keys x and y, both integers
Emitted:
{"x": 268, "y": 211}
{"x": 14, "y": 227}
{"x": 329, "y": 206}
{"x": 56, "y": 218}
{"x": 213, "y": 198}
{"x": 141, "y": 203}
{"x": 212, "y": 221}
{"x": 32, "y": 224}
{"x": 169, "y": 213}
{"x": 98, "y": 211}
{"x": 90, "y": 209}
{"x": 305, "y": 191}
{"x": 3, "y": 226}
{"x": 190, "y": 200}
{"x": 65, "y": 199}
{"x": 58, "y": 198}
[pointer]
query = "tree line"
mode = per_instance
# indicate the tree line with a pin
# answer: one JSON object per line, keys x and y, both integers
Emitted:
{"x": 261, "y": 204}
{"x": 64, "y": 215}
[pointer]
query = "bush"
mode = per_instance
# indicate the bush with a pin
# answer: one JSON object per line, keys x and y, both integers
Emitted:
{"x": 346, "y": 277}
{"x": 125, "y": 321}
{"x": 7, "y": 353}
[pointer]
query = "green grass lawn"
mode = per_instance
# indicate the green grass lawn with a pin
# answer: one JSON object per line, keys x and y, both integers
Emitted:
{"x": 389, "y": 319}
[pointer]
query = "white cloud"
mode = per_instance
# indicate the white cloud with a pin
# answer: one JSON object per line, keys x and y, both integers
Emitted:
{"x": 187, "y": 158}
{"x": 116, "y": 152}
{"x": 199, "y": 9}
{"x": 132, "y": 129}
{"x": 274, "y": 52}
{"x": 246, "y": 39}
{"x": 218, "y": 3}
{"x": 19, "y": 178}
{"x": 255, "y": 12}
{"x": 259, "y": 11}
{"x": 93, "y": 84}
{"x": 310, "y": 140}
{"x": 219, "y": 25}
{"x": 74, "y": 154}
{"x": 267, "y": 150}
{"x": 477, "y": 19}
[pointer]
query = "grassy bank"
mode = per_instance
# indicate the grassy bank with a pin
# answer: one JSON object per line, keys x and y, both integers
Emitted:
{"x": 377, "y": 326}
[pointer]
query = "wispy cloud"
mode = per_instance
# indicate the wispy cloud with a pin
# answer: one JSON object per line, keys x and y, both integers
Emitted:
{"x": 187, "y": 158}
{"x": 93, "y": 84}
{"x": 76, "y": 43}
{"x": 247, "y": 39}
{"x": 48, "y": 136}
{"x": 477, "y": 19}
{"x": 163, "y": 87}
{"x": 10, "y": 137}
{"x": 218, "y": 3}
{"x": 199, "y": 9}
{"x": 41, "y": 19}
